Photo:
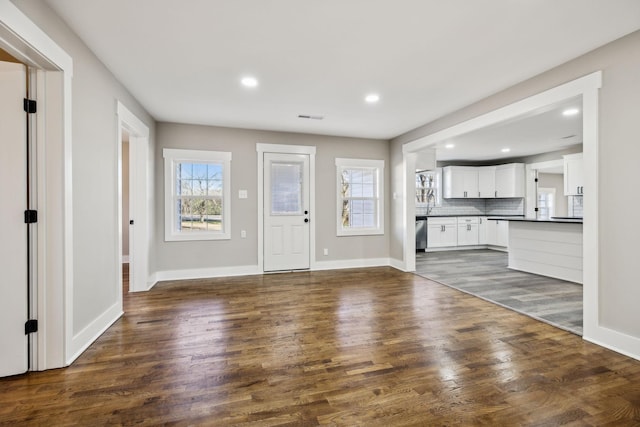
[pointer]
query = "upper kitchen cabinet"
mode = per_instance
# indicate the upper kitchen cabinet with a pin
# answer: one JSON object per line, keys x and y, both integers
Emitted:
{"x": 487, "y": 182}
{"x": 510, "y": 180}
{"x": 460, "y": 182}
{"x": 573, "y": 175}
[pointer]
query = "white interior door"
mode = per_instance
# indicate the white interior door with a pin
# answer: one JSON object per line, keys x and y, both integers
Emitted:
{"x": 13, "y": 230}
{"x": 286, "y": 212}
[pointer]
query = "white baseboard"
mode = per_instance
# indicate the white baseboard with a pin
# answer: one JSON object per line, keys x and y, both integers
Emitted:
{"x": 397, "y": 264}
{"x": 204, "y": 273}
{"x": 351, "y": 263}
{"x": 83, "y": 339}
{"x": 614, "y": 340}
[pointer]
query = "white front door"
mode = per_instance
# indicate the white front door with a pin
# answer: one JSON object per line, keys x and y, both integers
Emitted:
{"x": 286, "y": 212}
{"x": 13, "y": 230}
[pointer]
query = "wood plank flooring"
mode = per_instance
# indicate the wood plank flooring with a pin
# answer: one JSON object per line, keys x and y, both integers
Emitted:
{"x": 361, "y": 347}
{"x": 484, "y": 273}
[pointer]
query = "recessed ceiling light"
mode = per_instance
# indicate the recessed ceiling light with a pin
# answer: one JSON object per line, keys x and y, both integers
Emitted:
{"x": 506, "y": 150}
{"x": 449, "y": 146}
{"x": 372, "y": 98}
{"x": 570, "y": 112}
{"x": 249, "y": 81}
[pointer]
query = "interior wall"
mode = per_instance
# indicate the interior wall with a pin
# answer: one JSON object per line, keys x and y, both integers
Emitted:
{"x": 555, "y": 180}
{"x": 125, "y": 198}
{"x": 94, "y": 158}
{"x": 244, "y": 216}
{"x": 619, "y": 128}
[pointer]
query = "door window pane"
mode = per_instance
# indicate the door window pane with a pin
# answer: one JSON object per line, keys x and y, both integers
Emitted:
{"x": 286, "y": 188}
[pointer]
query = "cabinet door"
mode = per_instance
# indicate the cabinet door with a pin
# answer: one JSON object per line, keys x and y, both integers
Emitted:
{"x": 467, "y": 234}
{"x": 460, "y": 182}
{"x": 487, "y": 182}
{"x": 434, "y": 236}
{"x": 450, "y": 235}
{"x": 573, "y": 175}
{"x": 482, "y": 230}
{"x": 509, "y": 180}
{"x": 492, "y": 232}
{"x": 503, "y": 233}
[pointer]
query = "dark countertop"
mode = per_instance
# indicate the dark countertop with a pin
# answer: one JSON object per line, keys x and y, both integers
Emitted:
{"x": 423, "y": 217}
{"x": 564, "y": 220}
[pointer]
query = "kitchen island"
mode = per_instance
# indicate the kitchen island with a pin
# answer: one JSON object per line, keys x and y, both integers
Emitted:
{"x": 548, "y": 247}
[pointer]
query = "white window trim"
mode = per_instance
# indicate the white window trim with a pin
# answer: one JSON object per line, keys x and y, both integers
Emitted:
{"x": 171, "y": 156}
{"x": 360, "y": 163}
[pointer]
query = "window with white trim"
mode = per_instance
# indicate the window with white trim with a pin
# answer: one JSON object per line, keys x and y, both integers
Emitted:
{"x": 197, "y": 194}
{"x": 360, "y": 197}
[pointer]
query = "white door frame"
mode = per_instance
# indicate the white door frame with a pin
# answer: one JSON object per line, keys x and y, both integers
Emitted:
{"x": 54, "y": 289}
{"x": 139, "y": 200}
{"x": 287, "y": 149}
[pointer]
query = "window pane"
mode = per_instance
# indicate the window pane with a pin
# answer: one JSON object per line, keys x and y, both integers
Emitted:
{"x": 184, "y": 170}
{"x": 214, "y": 171}
{"x": 286, "y": 188}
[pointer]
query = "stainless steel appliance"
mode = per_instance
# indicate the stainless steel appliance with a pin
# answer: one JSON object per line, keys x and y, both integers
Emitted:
{"x": 421, "y": 233}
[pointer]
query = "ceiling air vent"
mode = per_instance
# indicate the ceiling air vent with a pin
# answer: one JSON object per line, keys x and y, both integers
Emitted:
{"x": 310, "y": 116}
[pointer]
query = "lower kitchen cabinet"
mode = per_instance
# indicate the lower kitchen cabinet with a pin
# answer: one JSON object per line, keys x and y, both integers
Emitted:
{"x": 442, "y": 232}
{"x": 497, "y": 232}
{"x": 468, "y": 234}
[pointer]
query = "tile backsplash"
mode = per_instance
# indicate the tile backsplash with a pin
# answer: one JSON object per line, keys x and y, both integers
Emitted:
{"x": 575, "y": 206}
{"x": 514, "y": 206}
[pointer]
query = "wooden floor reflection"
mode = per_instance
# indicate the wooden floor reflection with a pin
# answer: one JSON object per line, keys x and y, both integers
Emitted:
{"x": 351, "y": 347}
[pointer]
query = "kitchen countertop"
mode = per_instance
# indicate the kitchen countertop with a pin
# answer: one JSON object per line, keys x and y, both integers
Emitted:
{"x": 422, "y": 217}
{"x": 565, "y": 220}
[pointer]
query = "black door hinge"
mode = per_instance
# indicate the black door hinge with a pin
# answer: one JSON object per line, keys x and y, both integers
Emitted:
{"x": 29, "y": 106}
{"x": 30, "y": 326}
{"x": 536, "y": 180}
{"x": 536, "y": 209}
{"x": 30, "y": 216}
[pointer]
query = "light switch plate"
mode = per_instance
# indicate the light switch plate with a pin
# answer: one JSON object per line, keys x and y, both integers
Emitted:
{"x": 242, "y": 194}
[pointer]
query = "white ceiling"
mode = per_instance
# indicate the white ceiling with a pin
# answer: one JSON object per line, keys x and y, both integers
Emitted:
{"x": 540, "y": 131}
{"x": 183, "y": 59}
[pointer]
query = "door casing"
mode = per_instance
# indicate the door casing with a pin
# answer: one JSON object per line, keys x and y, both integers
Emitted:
{"x": 262, "y": 148}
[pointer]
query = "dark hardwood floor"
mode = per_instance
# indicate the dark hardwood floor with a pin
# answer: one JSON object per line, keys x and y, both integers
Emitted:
{"x": 342, "y": 348}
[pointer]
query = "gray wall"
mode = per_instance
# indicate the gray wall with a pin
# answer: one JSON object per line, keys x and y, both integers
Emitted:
{"x": 619, "y": 129}
{"x": 555, "y": 180}
{"x": 242, "y": 144}
{"x": 94, "y": 151}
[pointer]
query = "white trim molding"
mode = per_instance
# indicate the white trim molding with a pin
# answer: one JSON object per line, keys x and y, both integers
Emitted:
{"x": 173, "y": 156}
{"x": 83, "y": 339}
{"x": 377, "y": 166}
{"x": 21, "y": 38}
{"x": 310, "y": 150}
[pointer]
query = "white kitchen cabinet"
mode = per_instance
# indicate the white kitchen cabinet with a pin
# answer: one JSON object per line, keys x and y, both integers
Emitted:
{"x": 497, "y": 232}
{"x": 573, "y": 175}
{"x": 487, "y": 182}
{"x": 460, "y": 182}
{"x": 468, "y": 230}
{"x": 442, "y": 232}
{"x": 482, "y": 230}
{"x": 509, "y": 180}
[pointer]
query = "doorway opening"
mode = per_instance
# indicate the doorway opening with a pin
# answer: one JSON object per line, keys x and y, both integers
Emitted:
{"x": 133, "y": 203}
{"x": 587, "y": 89}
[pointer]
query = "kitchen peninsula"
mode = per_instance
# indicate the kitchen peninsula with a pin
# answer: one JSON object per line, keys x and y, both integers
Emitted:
{"x": 548, "y": 247}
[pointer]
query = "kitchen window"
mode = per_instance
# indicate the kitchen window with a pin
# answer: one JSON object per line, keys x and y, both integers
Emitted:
{"x": 360, "y": 197}
{"x": 197, "y": 195}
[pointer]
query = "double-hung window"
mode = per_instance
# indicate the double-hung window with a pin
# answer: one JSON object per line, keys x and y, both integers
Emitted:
{"x": 197, "y": 194}
{"x": 360, "y": 197}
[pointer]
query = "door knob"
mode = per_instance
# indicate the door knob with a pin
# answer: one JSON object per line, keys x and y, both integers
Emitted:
{"x": 306, "y": 220}
{"x": 306, "y": 212}
{"x": 130, "y": 222}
